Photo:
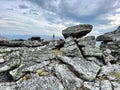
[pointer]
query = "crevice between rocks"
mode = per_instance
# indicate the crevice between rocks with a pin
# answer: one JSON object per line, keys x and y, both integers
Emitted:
{"x": 79, "y": 48}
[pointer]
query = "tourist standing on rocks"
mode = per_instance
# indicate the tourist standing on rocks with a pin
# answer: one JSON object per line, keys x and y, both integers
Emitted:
{"x": 53, "y": 37}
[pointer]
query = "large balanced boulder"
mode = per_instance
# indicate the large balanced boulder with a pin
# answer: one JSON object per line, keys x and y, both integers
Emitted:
{"x": 77, "y": 31}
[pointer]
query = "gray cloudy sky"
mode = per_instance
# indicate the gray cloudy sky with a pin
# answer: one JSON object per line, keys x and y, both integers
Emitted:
{"x": 45, "y": 17}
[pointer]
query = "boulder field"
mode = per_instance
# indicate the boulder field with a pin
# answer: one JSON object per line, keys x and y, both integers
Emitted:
{"x": 75, "y": 63}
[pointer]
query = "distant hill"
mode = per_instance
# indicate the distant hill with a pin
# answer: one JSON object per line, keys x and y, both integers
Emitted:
{"x": 45, "y": 37}
{"x": 3, "y": 38}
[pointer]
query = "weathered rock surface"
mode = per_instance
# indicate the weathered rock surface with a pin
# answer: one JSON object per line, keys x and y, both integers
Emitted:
{"x": 85, "y": 69}
{"x": 69, "y": 80}
{"x": 106, "y": 85}
{"x": 92, "y": 85}
{"x": 18, "y": 43}
{"x": 41, "y": 83}
{"x": 77, "y": 31}
{"x": 86, "y": 41}
{"x": 71, "y": 64}
{"x": 90, "y": 51}
{"x": 110, "y": 36}
{"x": 111, "y": 41}
{"x": 71, "y": 49}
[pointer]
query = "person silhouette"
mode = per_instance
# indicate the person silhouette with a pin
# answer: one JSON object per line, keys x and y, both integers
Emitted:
{"x": 53, "y": 38}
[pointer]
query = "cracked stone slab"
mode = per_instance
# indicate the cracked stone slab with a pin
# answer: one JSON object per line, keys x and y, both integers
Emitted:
{"x": 87, "y": 70}
{"x": 20, "y": 71}
{"x": 13, "y": 62}
{"x": 68, "y": 78}
{"x": 41, "y": 83}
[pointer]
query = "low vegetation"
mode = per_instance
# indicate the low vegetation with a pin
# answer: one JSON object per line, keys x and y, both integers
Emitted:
{"x": 56, "y": 52}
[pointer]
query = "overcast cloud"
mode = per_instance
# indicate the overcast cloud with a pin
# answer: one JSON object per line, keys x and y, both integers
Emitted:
{"x": 45, "y": 17}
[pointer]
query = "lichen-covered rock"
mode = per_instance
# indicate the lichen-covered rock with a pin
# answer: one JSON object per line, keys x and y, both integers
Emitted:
{"x": 116, "y": 85}
{"x": 109, "y": 69}
{"x": 106, "y": 85}
{"x": 86, "y": 41}
{"x": 71, "y": 49}
{"x": 93, "y": 52}
{"x": 77, "y": 31}
{"x": 92, "y": 85}
{"x": 36, "y": 66}
{"x": 13, "y": 62}
{"x": 68, "y": 78}
{"x": 110, "y": 36}
{"x": 17, "y": 73}
{"x": 96, "y": 60}
{"x": 86, "y": 70}
{"x": 41, "y": 83}
{"x": 18, "y": 43}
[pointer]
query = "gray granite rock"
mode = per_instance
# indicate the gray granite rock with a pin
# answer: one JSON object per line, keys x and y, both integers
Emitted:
{"x": 110, "y": 36}
{"x": 77, "y": 31}
{"x": 93, "y": 52}
{"x": 68, "y": 78}
{"x": 106, "y": 85}
{"x": 17, "y": 73}
{"x": 109, "y": 69}
{"x": 13, "y": 62}
{"x": 18, "y": 43}
{"x": 92, "y": 85}
{"x": 86, "y": 41}
{"x": 41, "y": 83}
{"x": 71, "y": 49}
{"x": 86, "y": 70}
{"x": 96, "y": 60}
{"x": 116, "y": 85}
